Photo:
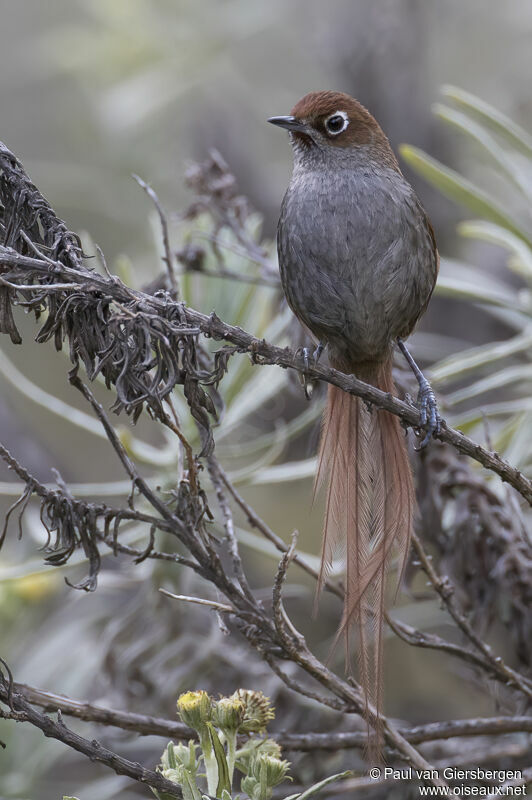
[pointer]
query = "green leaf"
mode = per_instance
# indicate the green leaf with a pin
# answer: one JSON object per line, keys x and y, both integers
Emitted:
{"x": 189, "y": 787}
{"x": 515, "y": 437}
{"x": 289, "y": 471}
{"x": 459, "y": 189}
{"x": 499, "y": 122}
{"x": 462, "y": 289}
{"x": 463, "y": 363}
{"x": 163, "y": 795}
{"x": 263, "y": 462}
{"x": 172, "y": 761}
{"x": 470, "y": 419}
{"x": 506, "y": 434}
{"x": 219, "y": 753}
{"x": 284, "y": 430}
{"x": 479, "y": 133}
{"x": 319, "y": 786}
{"x": 520, "y": 373}
{"x": 267, "y": 383}
{"x": 495, "y": 234}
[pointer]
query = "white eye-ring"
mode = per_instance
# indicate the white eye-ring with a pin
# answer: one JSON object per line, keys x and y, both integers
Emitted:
{"x": 336, "y": 123}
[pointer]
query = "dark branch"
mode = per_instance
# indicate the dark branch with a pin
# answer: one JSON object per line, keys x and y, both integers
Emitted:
{"x": 21, "y": 710}
{"x": 147, "y": 725}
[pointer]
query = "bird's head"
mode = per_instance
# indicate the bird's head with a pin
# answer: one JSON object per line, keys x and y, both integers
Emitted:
{"x": 334, "y": 125}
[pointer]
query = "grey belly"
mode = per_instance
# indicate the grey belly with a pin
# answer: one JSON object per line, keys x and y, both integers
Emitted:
{"x": 354, "y": 291}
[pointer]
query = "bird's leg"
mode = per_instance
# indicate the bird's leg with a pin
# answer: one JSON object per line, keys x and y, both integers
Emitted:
{"x": 307, "y": 358}
{"x": 426, "y": 401}
{"x": 316, "y": 355}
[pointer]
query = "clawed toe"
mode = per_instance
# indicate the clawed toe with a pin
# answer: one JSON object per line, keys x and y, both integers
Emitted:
{"x": 426, "y": 402}
{"x": 428, "y": 411}
{"x": 309, "y": 360}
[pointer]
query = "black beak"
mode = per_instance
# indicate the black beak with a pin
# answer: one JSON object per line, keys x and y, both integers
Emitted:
{"x": 290, "y": 123}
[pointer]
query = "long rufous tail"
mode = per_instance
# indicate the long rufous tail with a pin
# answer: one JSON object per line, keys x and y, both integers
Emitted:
{"x": 369, "y": 514}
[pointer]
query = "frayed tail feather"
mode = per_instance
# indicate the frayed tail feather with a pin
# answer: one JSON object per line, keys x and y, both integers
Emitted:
{"x": 369, "y": 511}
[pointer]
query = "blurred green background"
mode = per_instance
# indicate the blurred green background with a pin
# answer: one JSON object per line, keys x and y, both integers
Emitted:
{"x": 92, "y": 91}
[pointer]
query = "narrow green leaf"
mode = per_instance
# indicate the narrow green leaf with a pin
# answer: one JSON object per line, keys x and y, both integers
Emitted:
{"x": 172, "y": 762}
{"x": 498, "y": 121}
{"x": 495, "y": 234}
{"x": 50, "y": 402}
{"x": 319, "y": 786}
{"x": 254, "y": 393}
{"x": 504, "y": 435}
{"x": 290, "y": 471}
{"x": 462, "y": 289}
{"x": 479, "y": 134}
{"x": 469, "y": 360}
{"x": 190, "y": 787}
{"x": 221, "y": 760}
{"x": 459, "y": 189}
{"x": 285, "y": 430}
{"x": 266, "y": 459}
{"x": 520, "y": 373}
{"x": 470, "y": 419}
{"x": 514, "y": 440}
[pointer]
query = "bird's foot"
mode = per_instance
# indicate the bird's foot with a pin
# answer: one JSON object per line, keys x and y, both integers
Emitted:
{"x": 310, "y": 359}
{"x": 428, "y": 411}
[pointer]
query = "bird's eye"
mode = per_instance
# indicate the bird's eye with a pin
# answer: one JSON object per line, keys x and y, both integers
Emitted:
{"x": 336, "y": 123}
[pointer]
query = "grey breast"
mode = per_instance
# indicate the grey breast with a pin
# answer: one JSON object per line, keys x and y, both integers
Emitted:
{"x": 356, "y": 256}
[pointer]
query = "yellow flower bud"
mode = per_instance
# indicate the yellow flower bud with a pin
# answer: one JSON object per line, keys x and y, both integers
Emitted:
{"x": 195, "y": 709}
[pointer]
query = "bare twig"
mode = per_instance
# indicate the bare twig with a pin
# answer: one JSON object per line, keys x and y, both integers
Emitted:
{"x": 216, "y": 473}
{"x": 256, "y": 522}
{"x": 147, "y": 725}
{"x": 144, "y": 724}
{"x": 445, "y": 590}
{"x": 169, "y": 257}
{"x": 92, "y": 749}
{"x": 199, "y": 601}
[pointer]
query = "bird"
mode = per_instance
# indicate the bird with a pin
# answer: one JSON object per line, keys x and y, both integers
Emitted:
{"x": 358, "y": 263}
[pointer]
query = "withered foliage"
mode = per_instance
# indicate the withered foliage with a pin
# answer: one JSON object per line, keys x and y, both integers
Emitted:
{"x": 482, "y": 545}
{"x": 143, "y": 349}
{"x": 141, "y": 353}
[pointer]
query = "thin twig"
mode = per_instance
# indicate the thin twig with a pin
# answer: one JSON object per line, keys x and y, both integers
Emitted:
{"x": 259, "y": 524}
{"x": 147, "y": 725}
{"x": 199, "y": 601}
{"x": 169, "y": 259}
{"x": 445, "y": 590}
{"x": 215, "y": 471}
{"x": 92, "y": 749}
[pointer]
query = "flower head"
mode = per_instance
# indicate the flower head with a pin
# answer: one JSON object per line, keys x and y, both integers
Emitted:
{"x": 195, "y": 709}
{"x": 228, "y": 713}
{"x": 265, "y": 772}
{"x": 258, "y": 710}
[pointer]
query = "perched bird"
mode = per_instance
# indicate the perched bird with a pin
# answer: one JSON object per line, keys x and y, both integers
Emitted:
{"x": 358, "y": 263}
